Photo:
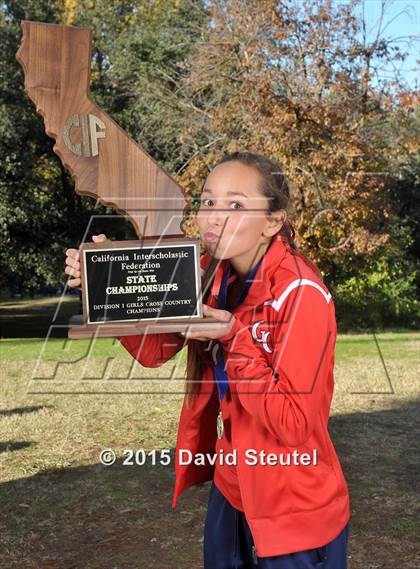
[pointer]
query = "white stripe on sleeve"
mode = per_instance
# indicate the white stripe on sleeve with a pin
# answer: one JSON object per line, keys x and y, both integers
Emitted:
{"x": 276, "y": 304}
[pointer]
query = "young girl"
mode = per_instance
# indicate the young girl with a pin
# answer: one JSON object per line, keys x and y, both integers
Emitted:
{"x": 258, "y": 391}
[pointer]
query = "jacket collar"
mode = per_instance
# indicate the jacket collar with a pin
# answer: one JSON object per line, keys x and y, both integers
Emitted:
{"x": 260, "y": 289}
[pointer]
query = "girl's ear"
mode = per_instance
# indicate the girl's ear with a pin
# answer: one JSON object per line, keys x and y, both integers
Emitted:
{"x": 275, "y": 221}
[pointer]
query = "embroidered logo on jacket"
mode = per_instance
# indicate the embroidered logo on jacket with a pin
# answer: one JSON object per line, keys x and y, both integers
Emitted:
{"x": 262, "y": 338}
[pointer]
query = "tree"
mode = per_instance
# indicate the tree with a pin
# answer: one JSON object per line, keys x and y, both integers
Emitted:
{"x": 295, "y": 81}
{"x": 138, "y": 52}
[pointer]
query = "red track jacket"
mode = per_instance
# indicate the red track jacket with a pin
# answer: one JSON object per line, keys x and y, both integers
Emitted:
{"x": 279, "y": 358}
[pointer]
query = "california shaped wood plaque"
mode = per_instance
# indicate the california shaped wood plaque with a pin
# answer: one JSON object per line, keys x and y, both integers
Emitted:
{"x": 128, "y": 287}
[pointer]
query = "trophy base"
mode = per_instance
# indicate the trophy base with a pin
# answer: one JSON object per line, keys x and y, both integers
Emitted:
{"x": 79, "y": 329}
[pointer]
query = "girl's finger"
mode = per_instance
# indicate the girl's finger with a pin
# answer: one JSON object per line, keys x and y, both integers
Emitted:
{"x": 73, "y": 253}
{"x": 222, "y": 315}
{"x": 193, "y": 335}
{"x": 73, "y": 283}
{"x": 72, "y": 263}
{"x": 99, "y": 238}
{"x": 72, "y": 272}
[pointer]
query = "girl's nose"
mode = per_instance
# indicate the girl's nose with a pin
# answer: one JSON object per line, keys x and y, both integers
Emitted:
{"x": 216, "y": 217}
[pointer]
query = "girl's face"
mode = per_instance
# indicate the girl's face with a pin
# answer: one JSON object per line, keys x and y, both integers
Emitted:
{"x": 233, "y": 213}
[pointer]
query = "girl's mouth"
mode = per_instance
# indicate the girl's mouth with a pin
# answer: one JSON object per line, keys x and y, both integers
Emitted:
{"x": 210, "y": 237}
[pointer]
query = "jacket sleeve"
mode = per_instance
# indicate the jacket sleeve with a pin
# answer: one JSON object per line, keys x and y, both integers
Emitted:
{"x": 286, "y": 396}
{"x": 153, "y": 350}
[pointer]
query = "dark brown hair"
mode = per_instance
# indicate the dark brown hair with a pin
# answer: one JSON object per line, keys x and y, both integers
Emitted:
{"x": 275, "y": 187}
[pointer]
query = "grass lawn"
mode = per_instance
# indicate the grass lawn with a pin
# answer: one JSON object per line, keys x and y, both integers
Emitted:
{"x": 63, "y": 401}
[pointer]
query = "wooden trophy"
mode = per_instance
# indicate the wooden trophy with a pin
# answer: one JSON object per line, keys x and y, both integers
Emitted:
{"x": 128, "y": 287}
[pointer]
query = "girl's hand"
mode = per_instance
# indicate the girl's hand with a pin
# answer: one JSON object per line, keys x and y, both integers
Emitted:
{"x": 73, "y": 264}
{"x": 224, "y": 329}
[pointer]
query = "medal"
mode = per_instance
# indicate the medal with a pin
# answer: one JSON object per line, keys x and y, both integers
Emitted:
{"x": 219, "y": 425}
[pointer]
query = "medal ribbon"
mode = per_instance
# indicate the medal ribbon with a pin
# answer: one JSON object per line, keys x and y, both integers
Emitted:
{"x": 220, "y": 373}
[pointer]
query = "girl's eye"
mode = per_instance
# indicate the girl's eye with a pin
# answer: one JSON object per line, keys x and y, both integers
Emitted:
{"x": 207, "y": 202}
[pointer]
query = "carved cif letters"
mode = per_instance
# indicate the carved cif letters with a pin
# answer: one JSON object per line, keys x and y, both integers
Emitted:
{"x": 90, "y": 134}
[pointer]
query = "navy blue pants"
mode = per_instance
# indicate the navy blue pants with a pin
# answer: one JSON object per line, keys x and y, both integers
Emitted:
{"x": 228, "y": 543}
